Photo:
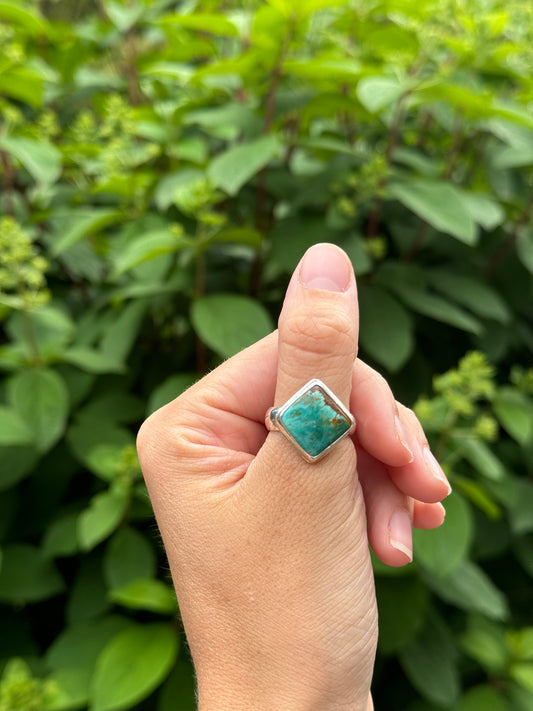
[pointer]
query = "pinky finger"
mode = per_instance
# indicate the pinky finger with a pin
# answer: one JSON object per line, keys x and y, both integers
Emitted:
{"x": 428, "y": 515}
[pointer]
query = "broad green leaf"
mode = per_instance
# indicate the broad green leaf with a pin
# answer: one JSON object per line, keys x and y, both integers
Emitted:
{"x": 71, "y": 227}
{"x": 92, "y": 360}
{"x": 203, "y": 22}
{"x": 227, "y": 323}
{"x": 26, "y": 575}
{"x": 402, "y": 605}
{"x": 129, "y": 556}
{"x": 91, "y": 437}
{"x": 13, "y": 428}
{"x": 484, "y": 641}
{"x": 88, "y": 594}
{"x": 171, "y": 184}
{"x": 16, "y": 461}
{"x": 101, "y": 518}
{"x": 23, "y": 15}
{"x": 238, "y": 235}
{"x": 122, "y": 16}
{"x": 476, "y": 295}
{"x": 23, "y": 84}
{"x": 236, "y": 166}
{"x": 469, "y": 588}
{"x": 484, "y": 210}
{"x": 152, "y": 595}
{"x": 482, "y": 698}
{"x": 146, "y": 247}
{"x": 41, "y": 160}
{"x": 522, "y": 673}
{"x": 445, "y": 548}
{"x": 41, "y": 398}
{"x": 429, "y": 662}
{"x": 439, "y": 204}
{"x": 122, "y": 332}
{"x": 514, "y": 410}
{"x": 71, "y": 690}
{"x": 386, "y": 328}
{"x": 376, "y": 93}
{"x": 60, "y": 538}
{"x": 169, "y": 389}
{"x": 480, "y": 456}
{"x": 78, "y": 646}
{"x": 132, "y": 665}
{"x": 428, "y": 304}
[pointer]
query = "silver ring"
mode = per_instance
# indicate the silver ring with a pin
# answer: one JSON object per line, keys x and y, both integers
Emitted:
{"x": 313, "y": 420}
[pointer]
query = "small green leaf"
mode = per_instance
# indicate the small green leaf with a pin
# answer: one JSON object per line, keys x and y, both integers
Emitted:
{"x": 480, "y": 456}
{"x": 476, "y": 295}
{"x": 482, "y": 698}
{"x": 227, "y": 323}
{"x": 26, "y": 575}
{"x": 71, "y": 227}
{"x": 92, "y": 361}
{"x": 146, "y": 247}
{"x": 169, "y": 389}
{"x": 386, "y": 328}
{"x": 236, "y": 166}
{"x": 484, "y": 641}
{"x": 152, "y": 595}
{"x": 42, "y": 160}
{"x": 71, "y": 690}
{"x": 439, "y": 204}
{"x": 522, "y": 673}
{"x": 486, "y": 211}
{"x": 132, "y": 665}
{"x": 41, "y": 399}
{"x": 442, "y": 550}
{"x": 129, "y": 556}
{"x": 515, "y": 412}
{"x": 17, "y": 461}
{"x": 429, "y": 662}
{"x": 13, "y": 429}
{"x": 469, "y": 588}
{"x": 101, "y": 518}
{"x": 216, "y": 24}
{"x": 376, "y": 93}
{"x": 60, "y": 538}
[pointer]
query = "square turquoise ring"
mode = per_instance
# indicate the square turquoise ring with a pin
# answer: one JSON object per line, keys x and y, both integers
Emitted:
{"x": 314, "y": 420}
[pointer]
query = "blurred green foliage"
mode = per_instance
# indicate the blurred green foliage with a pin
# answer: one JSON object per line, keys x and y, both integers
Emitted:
{"x": 163, "y": 166}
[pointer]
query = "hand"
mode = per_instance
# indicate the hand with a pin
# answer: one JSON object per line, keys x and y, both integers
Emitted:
{"x": 269, "y": 554}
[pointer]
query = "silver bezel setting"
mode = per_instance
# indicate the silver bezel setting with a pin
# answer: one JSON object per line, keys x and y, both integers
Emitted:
{"x": 277, "y": 413}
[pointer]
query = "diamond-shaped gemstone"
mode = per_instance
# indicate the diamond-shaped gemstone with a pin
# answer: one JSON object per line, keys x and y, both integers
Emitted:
{"x": 315, "y": 421}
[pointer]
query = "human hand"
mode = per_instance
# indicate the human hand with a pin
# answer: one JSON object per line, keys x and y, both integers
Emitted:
{"x": 269, "y": 554}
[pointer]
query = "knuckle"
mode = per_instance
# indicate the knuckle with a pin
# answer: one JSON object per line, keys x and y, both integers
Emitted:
{"x": 325, "y": 332}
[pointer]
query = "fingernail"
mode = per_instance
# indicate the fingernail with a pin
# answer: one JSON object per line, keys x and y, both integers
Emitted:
{"x": 325, "y": 266}
{"x": 401, "y": 533}
{"x": 435, "y": 469}
{"x": 402, "y": 436}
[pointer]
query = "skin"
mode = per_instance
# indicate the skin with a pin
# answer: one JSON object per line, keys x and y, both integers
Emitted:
{"x": 270, "y": 554}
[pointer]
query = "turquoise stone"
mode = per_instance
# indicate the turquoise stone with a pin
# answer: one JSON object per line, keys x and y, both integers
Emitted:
{"x": 314, "y": 421}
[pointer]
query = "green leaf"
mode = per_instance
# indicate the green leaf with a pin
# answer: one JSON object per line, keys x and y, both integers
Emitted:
{"x": 26, "y": 17}
{"x": 402, "y": 605}
{"x": 60, "y": 538}
{"x": 521, "y": 518}
{"x": 132, "y": 665}
{"x": 442, "y": 550}
{"x": 476, "y": 295}
{"x": 522, "y": 673}
{"x": 524, "y": 248}
{"x": 482, "y": 698}
{"x": 486, "y": 211}
{"x": 484, "y": 641}
{"x": 88, "y": 595}
{"x": 514, "y": 410}
{"x": 480, "y": 456}
{"x": 122, "y": 16}
{"x": 171, "y": 184}
{"x": 236, "y": 166}
{"x": 13, "y": 429}
{"x": 216, "y": 24}
{"x": 26, "y": 575}
{"x": 71, "y": 227}
{"x": 17, "y": 462}
{"x": 71, "y": 690}
{"x": 152, "y": 595}
{"x": 429, "y": 662}
{"x": 92, "y": 361}
{"x": 41, "y": 398}
{"x": 129, "y": 556}
{"x": 181, "y": 684}
{"x": 78, "y": 646}
{"x": 91, "y": 438}
{"x": 376, "y": 93}
{"x": 169, "y": 389}
{"x": 469, "y": 588}
{"x": 386, "y": 328}
{"x": 101, "y": 518}
{"x": 439, "y": 204}
{"x": 122, "y": 332}
{"x": 146, "y": 247}
{"x": 227, "y": 323}
{"x": 41, "y": 160}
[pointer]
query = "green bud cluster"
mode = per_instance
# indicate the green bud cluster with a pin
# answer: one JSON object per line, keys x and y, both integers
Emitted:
{"x": 20, "y": 691}
{"x": 22, "y": 268}
{"x": 471, "y": 381}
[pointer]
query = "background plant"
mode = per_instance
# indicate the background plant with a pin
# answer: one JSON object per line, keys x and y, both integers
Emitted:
{"x": 163, "y": 166}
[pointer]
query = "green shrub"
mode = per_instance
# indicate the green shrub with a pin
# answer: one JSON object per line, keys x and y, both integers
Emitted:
{"x": 163, "y": 166}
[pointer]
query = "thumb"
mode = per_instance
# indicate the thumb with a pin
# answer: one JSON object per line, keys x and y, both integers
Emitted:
{"x": 318, "y": 329}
